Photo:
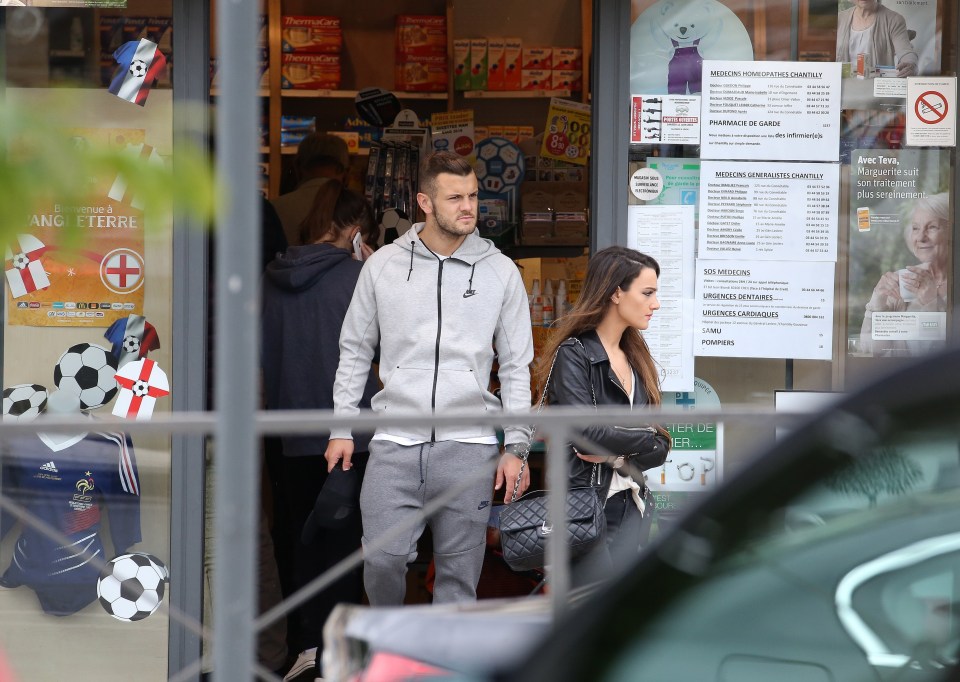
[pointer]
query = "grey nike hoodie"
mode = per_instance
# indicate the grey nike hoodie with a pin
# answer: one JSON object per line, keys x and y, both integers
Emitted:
{"x": 437, "y": 321}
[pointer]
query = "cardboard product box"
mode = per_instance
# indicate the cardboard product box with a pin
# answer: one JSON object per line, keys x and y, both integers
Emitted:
{"x": 570, "y": 217}
{"x": 536, "y": 225}
{"x": 351, "y": 138}
{"x": 567, "y": 79}
{"x": 512, "y": 55}
{"x": 420, "y": 34}
{"x": 524, "y": 132}
{"x": 311, "y": 34}
{"x": 536, "y": 79}
{"x": 495, "y": 52}
{"x": 494, "y": 131}
{"x": 567, "y": 58}
{"x": 478, "y": 63}
{"x": 461, "y": 64}
{"x": 366, "y": 133}
{"x": 421, "y": 73}
{"x": 537, "y": 58}
{"x": 310, "y": 71}
{"x": 480, "y": 133}
{"x": 511, "y": 133}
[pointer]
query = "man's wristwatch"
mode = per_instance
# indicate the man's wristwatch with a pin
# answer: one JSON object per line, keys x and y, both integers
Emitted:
{"x": 521, "y": 450}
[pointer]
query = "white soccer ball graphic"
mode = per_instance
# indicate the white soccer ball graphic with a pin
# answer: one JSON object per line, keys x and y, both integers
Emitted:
{"x": 21, "y": 261}
{"x": 130, "y": 344}
{"x": 131, "y": 586}
{"x": 138, "y": 68}
{"x": 140, "y": 388}
{"x": 87, "y": 370}
{"x": 499, "y": 164}
{"x": 23, "y": 402}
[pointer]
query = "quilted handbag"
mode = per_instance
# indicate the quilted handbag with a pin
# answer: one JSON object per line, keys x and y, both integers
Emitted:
{"x": 524, "y": 527}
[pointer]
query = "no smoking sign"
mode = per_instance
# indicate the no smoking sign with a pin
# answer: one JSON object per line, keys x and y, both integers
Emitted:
{"x": 931, "y": 112}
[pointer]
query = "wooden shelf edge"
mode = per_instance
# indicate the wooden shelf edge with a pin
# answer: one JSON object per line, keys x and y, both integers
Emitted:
{"x": 513, "y": 94}
{"x": 352, "y": 94}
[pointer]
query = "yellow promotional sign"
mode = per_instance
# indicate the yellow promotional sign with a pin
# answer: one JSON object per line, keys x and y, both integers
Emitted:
{"x": 102, "y": 278}
{"x": 567, "y": 134}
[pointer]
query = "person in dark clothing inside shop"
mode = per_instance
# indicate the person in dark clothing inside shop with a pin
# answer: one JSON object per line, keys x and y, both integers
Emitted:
{"x": 306, "y": 292}
{"x": 321, "y": 157}
{"x": 598, "y": 357}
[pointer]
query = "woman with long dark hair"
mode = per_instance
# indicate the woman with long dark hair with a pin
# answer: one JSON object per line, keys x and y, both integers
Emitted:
{"x": 306, "y": 292}
{"x": 599, "y": 358}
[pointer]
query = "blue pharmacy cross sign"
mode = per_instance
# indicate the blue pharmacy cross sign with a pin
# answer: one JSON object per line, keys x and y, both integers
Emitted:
{"x": 686, "y": 400}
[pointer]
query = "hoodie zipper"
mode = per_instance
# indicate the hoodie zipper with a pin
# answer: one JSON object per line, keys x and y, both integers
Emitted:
{"x": 436, "y": 351}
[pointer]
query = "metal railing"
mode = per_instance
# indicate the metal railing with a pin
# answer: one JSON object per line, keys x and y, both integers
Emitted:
{"x": 557, "y": 426}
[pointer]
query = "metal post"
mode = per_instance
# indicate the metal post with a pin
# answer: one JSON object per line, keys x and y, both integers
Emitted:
{"x": 558, "y": 553}
{"x": 237, "y": 323}
{"x": 609, "y": 156}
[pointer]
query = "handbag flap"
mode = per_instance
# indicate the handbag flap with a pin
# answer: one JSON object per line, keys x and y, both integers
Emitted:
{"x": 530, "y": 510}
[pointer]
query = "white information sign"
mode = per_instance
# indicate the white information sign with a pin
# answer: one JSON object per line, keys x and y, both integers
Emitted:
{"x": 769, "y": 211}
{"x": 764, "y": 309}
{"x": 931, "y": 112}
{"x": 667, "y": 234}
{"x": 770, "y": 110}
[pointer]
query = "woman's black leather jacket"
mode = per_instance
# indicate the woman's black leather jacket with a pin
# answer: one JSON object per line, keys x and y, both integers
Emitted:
{"x": 575, "y": 371}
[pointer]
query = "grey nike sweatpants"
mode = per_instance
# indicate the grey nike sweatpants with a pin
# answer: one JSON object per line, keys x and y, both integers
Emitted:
{"x": 399, "y": 482}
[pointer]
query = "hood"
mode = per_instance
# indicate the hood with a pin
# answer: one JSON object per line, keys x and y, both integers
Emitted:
{"x": 473, "y": 250}
{"x": 301, "y": 266}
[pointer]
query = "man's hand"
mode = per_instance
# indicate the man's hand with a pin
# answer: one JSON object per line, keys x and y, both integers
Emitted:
{"x": 337, "y": 449}
{"x": 507, "y": 471}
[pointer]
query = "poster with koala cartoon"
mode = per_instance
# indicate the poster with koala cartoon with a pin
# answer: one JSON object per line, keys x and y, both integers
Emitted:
{"x": 670, "y": 39}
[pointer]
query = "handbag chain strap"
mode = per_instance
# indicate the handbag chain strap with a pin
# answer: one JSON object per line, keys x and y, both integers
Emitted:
{"x": 543, "y": 397}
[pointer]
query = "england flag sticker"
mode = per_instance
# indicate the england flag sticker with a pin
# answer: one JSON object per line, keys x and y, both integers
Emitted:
{"x": 141, "y": 383}
{"x": 25, "y": 273}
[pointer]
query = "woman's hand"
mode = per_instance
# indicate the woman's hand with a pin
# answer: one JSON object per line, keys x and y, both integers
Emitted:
{"x": 919, "y": 281}
{"x": 906, "y": 68}
{"x": 886, "y": 295}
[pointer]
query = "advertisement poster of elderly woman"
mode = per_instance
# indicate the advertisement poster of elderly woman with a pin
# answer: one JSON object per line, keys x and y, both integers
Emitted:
{"x": 901, "y": 236}
{"x": 899, "y": 37}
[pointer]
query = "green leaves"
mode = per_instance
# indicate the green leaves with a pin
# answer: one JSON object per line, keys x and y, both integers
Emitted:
{"x": 45, "y": 165}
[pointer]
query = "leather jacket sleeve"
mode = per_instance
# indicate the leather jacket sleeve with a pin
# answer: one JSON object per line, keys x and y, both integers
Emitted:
{"x": 571, "y": 384}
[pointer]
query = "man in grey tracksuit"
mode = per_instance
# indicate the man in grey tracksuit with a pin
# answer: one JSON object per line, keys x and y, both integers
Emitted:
{"x": 442, "y": 303}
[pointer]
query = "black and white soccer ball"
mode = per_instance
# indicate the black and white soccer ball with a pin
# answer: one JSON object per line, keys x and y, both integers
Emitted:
{"x": 140, "y": 388}
{"x": 131, "y": 344}
{"x": 87, "y": 370}
{"x": 138, "y": 68}
{"x": 24, "y": 402}
{"x": 131, "y": 586}
{"x": 394, "y": 219}
{"x": 21, "y": 261}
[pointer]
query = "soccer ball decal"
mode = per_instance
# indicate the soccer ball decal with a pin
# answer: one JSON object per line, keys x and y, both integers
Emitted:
{"x": 393, "y": 218}
{"x": 131, "y": 586}
{"x": 131, "y": 344}
{"x": 87, "y": 370}
{"x": 21, "y": 261}
{"x": 138, "y": 68}
{"x": 499, "y": 164}
{"x": 23, "y": 402}
{"x": 140, "y": 388}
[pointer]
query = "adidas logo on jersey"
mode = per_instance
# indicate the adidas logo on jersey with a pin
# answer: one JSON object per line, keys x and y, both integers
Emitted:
{"x": 49, "y": 466}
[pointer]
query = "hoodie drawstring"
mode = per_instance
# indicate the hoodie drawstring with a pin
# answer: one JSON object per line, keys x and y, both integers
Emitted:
{"x": 410, "y": 271}
{"x": 470, "y": 291}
